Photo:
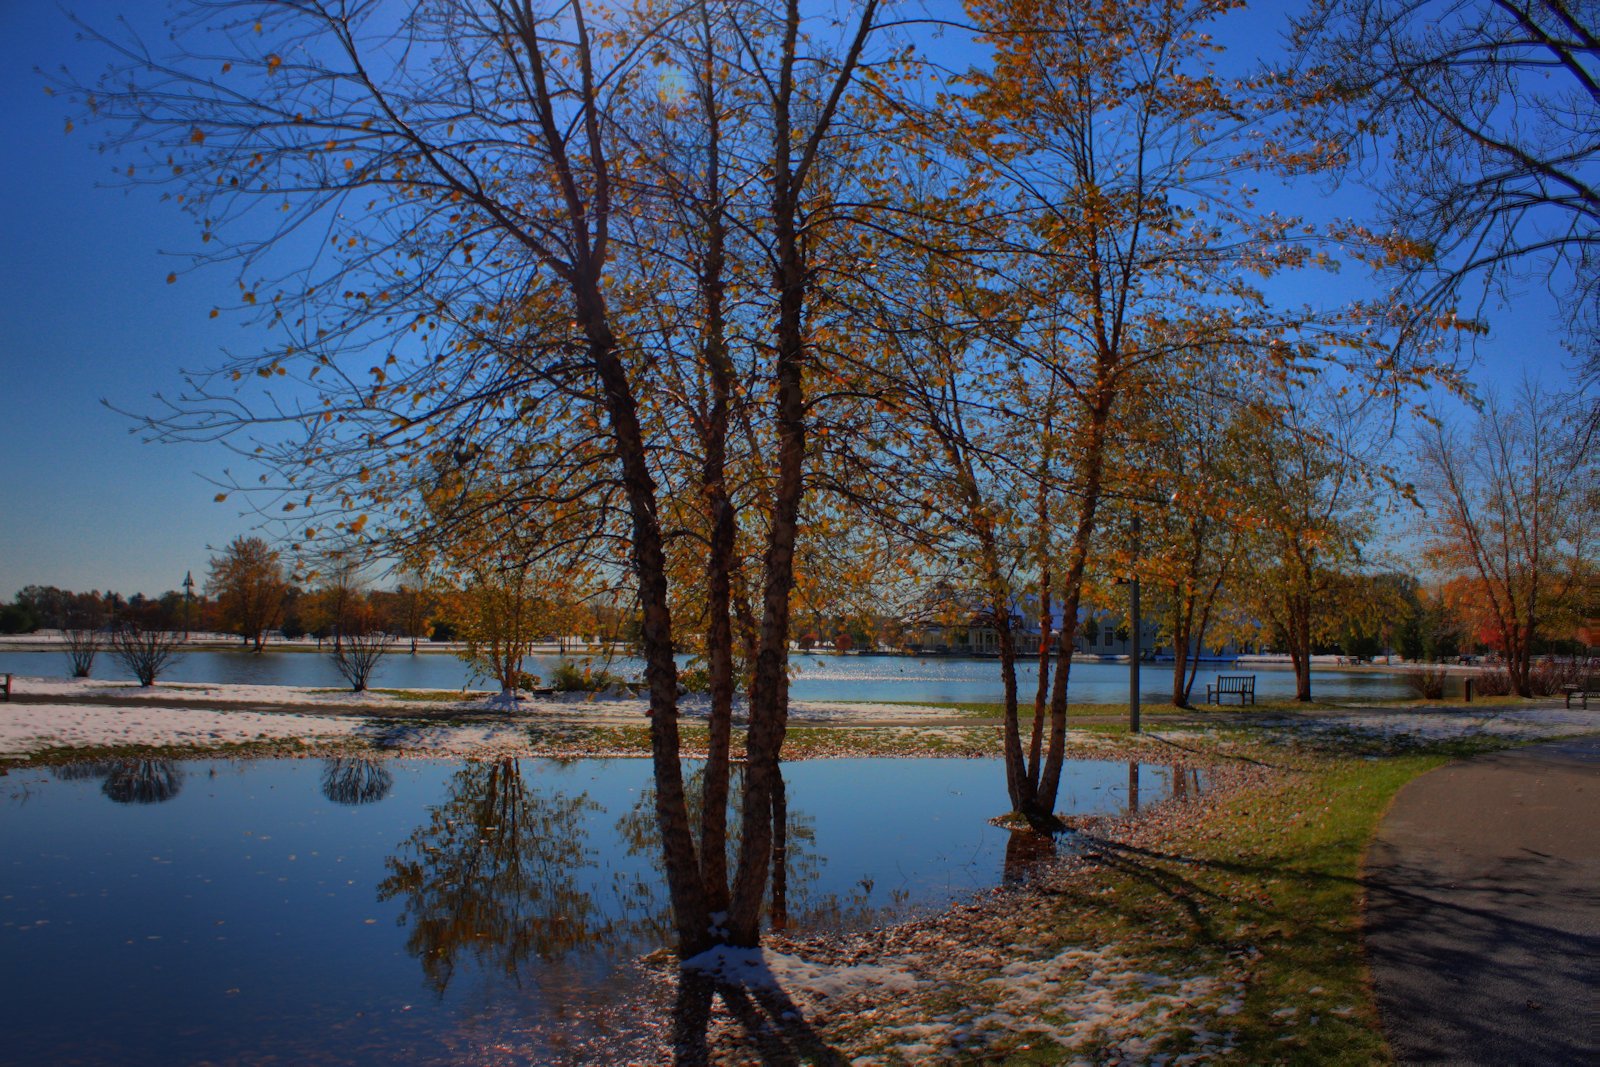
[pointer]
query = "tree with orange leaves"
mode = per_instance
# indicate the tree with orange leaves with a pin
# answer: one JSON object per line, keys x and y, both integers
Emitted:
{"x": 1511, "y": 505}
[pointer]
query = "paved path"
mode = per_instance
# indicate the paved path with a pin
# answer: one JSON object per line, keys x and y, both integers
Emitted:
{"x": 1483, "y": 910}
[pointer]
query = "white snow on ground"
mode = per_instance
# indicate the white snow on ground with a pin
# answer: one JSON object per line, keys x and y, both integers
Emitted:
{"x": 199, "y": 714}
{"x": 31, "y": 727}
{"x": 1519, "y": 721}
{"x": 26, "y": 728}
{"x": 802, "y": 981}
{"x": 192, "y": 714}
{"x": 1083, "y": 1000}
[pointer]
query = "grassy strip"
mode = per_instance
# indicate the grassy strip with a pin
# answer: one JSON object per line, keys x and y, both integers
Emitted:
{"x": 1258, "y": 887}
{"x": 262, "y": 749}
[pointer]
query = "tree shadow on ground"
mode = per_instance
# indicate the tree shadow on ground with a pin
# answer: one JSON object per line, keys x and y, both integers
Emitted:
{"x": 767, "y": 1021}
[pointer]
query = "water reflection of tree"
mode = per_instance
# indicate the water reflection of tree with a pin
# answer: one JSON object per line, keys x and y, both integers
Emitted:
{"x": 1026, "y": 850}
{"x": 355, "y": 780}
{"x": 128, "y": 781}
{"x": 492, "y": 877}
{"x": 796, "y": 865}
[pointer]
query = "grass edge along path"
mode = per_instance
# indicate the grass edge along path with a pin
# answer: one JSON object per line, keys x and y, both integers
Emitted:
{"x": 1226, "y": 931}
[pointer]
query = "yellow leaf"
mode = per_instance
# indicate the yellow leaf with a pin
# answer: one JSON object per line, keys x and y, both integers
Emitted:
{"x": 220, "y": 497}
{"x": 197, "y": 136}
{"x": 172, "y": 277}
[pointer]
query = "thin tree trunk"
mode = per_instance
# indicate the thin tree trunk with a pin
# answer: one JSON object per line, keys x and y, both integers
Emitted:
{"x": 720, "y": 513}
{"x": 1072, "y": 594}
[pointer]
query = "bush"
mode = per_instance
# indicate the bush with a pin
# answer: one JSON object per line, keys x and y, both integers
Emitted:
{"x": 1546, "y": 678}
{"x": 1495, "y": 683}
{"x": 528, "y": 682}
{"x": 145, "y": 653}
{"x": 694, "y": 680}
{"x": 568, "y": 677}
{"x": 1550, "y": 674}
{"x": 82, "y": 645}
{"x": 1428, "y": 682}
{"x": 358, "y": 655}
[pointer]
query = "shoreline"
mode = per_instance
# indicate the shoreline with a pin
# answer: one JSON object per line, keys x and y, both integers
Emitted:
{"x": 61, "y": 716}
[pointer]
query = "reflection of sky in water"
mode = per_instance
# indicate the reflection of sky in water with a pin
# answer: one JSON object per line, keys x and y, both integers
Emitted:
{"x": 897, "y": 678}
{"x": 260, "y": 906}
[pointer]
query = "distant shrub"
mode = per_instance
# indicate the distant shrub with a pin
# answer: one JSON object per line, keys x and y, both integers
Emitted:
{"x": 1427, "y": 682}
{"x": 82, "y": 646}
{"x": 568, "y": 677}
{"x": 145, "y": 653}
{"x": 528, "y": 682}
{"x": 1550, "y": 674}
{"x": 358, "y": 655}
{"x": 1495, "y": 683}
{"x": 694, "y": 680}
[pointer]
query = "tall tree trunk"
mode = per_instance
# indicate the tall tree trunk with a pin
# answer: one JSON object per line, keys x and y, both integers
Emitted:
{"x": 690, "y": 913}
{"x": 1183, "y": 619}
{"x": 1041, "y": 695}
{"x": 1072, "y": 596}
{"x": 723, "y": 532}
{"x": 769, "y": 686}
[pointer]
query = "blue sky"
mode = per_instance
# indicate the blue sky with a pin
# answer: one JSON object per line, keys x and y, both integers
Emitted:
{"x": 86, "y": 315}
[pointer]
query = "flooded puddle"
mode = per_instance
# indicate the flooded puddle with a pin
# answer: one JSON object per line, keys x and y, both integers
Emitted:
{"x": 424, "y": 911}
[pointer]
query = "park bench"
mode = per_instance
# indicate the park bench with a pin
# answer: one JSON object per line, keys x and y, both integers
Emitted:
{"x": 7, "y": 689}
{"x": 1583, "y": 690}
{"x": 1242, "y": 686}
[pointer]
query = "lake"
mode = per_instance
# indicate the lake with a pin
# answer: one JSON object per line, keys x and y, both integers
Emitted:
{"x": 817, "y": 677}
{"x": 425, "y": 911}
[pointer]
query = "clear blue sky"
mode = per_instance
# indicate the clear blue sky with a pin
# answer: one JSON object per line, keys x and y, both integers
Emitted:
{"x": 86, "y": 315}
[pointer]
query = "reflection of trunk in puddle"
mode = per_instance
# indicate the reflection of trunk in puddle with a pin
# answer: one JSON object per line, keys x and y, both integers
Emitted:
{"x": 1185, "y": 783}
{"x": 1026, "y": 850}
{"x": 1133, "y": 788}
{"x": 128, "y": 781}
{"x": 780, "y": 863}
{"x": 355, "y": 780}
{"x": 491, "y": 877}
{"x": 797, "y": 866}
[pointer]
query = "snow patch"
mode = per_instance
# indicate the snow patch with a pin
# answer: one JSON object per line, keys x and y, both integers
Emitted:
{"x": 756, "y": 968}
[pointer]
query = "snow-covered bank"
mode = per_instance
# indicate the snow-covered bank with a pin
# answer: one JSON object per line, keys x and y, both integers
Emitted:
{"x": 53, "y": 713}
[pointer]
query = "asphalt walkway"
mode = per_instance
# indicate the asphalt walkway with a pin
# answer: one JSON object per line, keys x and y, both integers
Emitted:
{"x": 1483, "y": 910}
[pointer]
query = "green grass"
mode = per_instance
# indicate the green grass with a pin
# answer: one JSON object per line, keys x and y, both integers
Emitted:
{"x": 1264, "y": 888}
{"x": 260, "y": 749}
{"x": 441, "y": 695}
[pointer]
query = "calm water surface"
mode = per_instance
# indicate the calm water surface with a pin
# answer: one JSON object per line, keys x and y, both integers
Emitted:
{"x": 417, "y": 911}
{"x": 898, "y": 678}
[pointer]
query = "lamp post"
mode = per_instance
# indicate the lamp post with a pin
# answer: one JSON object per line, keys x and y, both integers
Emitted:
{"x": 188, "y": 597}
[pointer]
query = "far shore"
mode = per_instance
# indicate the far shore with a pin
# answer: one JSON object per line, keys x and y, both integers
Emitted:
{"x": 53, "y": 641}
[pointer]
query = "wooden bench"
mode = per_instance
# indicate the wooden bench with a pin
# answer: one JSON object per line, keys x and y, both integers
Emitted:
{"x": 1242, "y": 686}
{"x": 1589, "y": 687}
